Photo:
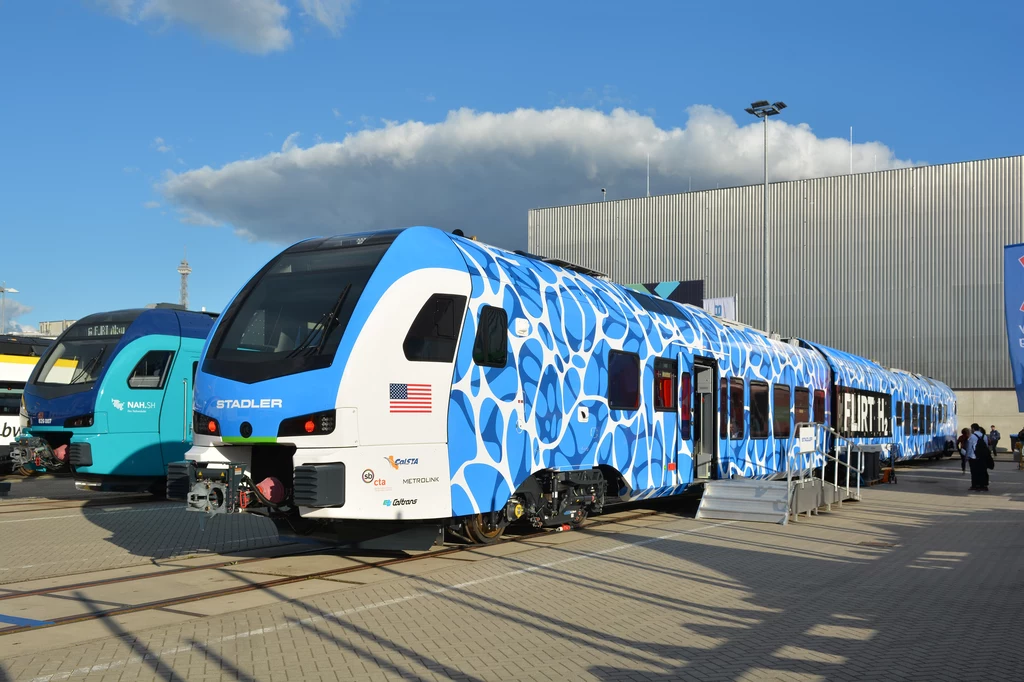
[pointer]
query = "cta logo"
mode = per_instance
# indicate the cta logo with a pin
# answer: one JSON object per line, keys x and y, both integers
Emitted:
{"x": 379, "y": 484}
{"x": 399, "y": 502}
{"x": 415, "y": 481}
{"x": 405, "y": 461}
{"x": 254, "y": 403}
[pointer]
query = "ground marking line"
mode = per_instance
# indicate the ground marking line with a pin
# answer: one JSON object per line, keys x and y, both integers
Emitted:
{"x": 100, "y": 667}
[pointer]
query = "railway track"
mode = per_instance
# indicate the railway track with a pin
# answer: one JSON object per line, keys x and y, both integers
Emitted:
{"x": 270, "y": 584}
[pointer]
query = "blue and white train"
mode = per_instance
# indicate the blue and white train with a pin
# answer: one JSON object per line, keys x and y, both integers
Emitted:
{"x": 420, "y": 376}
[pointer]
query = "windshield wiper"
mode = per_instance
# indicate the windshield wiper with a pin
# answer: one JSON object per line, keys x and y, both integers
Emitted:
{"x": 87, "y": 368}
{"x": 323, "y": 325}
{"x": 332, "y": 319}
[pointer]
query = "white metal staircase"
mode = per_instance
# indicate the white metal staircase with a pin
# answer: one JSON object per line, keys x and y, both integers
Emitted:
{"x": 805, "y": 489}
{"x": 745, "y": 499}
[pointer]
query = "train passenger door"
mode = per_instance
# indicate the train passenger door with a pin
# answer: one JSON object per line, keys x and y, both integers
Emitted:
{"x": 176, "y": 411}
{"x": 705, "y": 418}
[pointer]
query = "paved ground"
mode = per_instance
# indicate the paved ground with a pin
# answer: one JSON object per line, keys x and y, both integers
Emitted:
{"x": 919, "y": 581}
{"x": 52, "y": 540}
{"x": 15, "y": 488}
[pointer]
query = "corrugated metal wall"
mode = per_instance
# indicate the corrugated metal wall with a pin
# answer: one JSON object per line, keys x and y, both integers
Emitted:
{"x": 901, "y": 266}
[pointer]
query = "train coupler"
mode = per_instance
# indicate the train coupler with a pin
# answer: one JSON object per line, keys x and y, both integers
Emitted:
{"x": 214, "y": 488}
{"x": 35, "y": 451}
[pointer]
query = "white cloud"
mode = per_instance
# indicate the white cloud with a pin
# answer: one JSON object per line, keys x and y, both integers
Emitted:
{"x": 161, "y": 145}
{"x": 481, "y": 171}
{"x": 257, "y": 26}
{"x": 13, "y": 310}
{"x": 329, "y": 13}
{"x": 151, "y": 204}
{"x": 195, "y": 217}
{"x": 429, "y": 98}
{"x": 337, "y": 114}
{"x": 289, "y": 142}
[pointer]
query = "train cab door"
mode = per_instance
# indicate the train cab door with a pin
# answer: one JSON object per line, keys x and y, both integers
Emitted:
{"x": 176, "y": 411}
{"x": 705, "y": 418}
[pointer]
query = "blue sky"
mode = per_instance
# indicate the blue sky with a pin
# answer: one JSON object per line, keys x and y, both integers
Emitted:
{"x": 114, "y": 108}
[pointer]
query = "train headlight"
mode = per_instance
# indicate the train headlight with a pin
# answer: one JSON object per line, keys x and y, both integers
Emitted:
{"x": 81, "y": 421}
{"x": 316, "y": 424}
{"x": 206, "y": 426}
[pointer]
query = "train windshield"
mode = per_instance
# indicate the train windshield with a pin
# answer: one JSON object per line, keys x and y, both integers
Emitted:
{"x": 79, "y": 356}
{"x": 290, "y": 318}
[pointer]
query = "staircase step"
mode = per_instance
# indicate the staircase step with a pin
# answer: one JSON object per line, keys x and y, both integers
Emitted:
{"x": 727, "y": 515}
{"x": 753, "y": 506}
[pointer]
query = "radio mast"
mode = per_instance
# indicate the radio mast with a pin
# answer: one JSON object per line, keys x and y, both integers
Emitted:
{"x": 184, "y": 270}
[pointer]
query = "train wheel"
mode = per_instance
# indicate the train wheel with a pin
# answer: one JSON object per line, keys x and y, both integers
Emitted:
{"x": 481, "y": 531}
{"x": 577, "y": 519}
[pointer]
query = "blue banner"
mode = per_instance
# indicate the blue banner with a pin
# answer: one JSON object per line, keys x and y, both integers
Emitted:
{"x": 1013, "y": 298}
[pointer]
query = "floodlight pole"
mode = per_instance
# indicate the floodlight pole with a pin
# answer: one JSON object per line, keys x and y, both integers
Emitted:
{"x": 764, "y": 231}
{"x": 762, "y": 109}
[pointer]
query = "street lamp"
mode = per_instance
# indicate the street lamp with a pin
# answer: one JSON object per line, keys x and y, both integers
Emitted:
{"x": 4, "y": 290}
{"x": 762, "y": 109}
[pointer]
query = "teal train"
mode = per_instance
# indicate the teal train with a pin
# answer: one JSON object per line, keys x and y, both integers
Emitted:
{"x": 112, "y": 398}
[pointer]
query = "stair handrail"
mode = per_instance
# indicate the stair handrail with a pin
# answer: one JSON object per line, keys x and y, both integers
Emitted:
{"x": 807, "y": 473}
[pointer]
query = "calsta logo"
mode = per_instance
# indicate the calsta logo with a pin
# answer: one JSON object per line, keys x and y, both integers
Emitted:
{"x": 404, "y": 461}
{"x": 254, "y": 403}
{"x": 398, "y": 502}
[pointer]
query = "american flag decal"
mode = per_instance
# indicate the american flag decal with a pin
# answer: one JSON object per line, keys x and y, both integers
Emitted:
{"x": 410, "y": 398}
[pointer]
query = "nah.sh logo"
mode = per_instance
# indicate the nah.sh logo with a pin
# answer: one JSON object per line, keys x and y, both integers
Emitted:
{"x": 118, "y": 405}
{"x": 395, "y": 463}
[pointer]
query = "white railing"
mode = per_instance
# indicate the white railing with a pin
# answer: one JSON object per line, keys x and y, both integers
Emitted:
{"x": 804, "y": 474}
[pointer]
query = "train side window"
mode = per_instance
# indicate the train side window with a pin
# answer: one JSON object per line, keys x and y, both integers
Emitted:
{"x": 908, "y": 424}
{"x": 723, "y": 409}
{"x": 819, "y": 407}
{"x": 736, "y": 403}
{"x": 151, "y": 370}
{"x": 801, "y": 405}
{"x": 490, "y": 348}
{"x": 781, "y": 411}
{"x": 435, "y": 331}
{"x": 759, "y": 416}
{"x": 915, "y": 418}
{"x": 665, "y": 385}
{"x": 899, "y": 413}
{"x": 623, "y": 380}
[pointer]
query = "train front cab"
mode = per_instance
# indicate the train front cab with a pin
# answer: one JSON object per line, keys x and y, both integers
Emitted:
{"x": 112, "y": 397}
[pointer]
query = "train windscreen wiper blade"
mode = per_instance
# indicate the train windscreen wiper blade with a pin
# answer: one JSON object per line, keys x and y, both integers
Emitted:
{"x": 87, "y": 368}
{"x": 322, "y": 325}
{"x": 332, "y": 319}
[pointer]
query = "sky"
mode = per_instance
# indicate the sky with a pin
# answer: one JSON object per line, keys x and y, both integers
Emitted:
{"x": 134, "y": 131}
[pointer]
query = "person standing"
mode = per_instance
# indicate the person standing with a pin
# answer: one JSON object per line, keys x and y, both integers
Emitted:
{"x": 979, "y": 470}
{"x": 993, "y": 439}
{"x": 961, "y": 446}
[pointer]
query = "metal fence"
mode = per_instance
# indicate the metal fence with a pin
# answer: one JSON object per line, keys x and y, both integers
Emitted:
{"x": 902, "y": 266}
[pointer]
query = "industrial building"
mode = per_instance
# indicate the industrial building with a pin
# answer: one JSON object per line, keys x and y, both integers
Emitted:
{"x": 903, "y": 266}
